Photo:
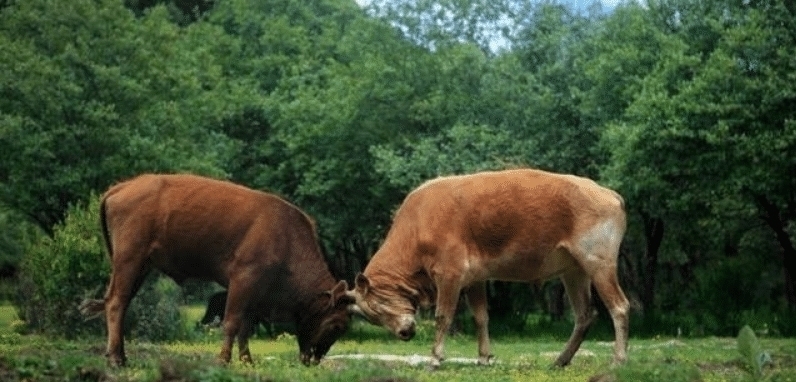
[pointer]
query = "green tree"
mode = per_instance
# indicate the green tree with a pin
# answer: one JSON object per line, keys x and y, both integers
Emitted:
{"x": 551, "y": 48}
{"x": 709, "y": 133}
{"x": 440, "y": 24}
{"x": 626, "y": 48}
{"x": 461, "y": 149}
{"x": 91, "y": 95}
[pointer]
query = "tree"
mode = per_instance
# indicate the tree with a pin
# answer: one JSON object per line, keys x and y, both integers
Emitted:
{"x": 720, "y": 107}
{"x": 442, "y": 24}
{"x": 91, "y": 95}
{"x": 626, "y": 49}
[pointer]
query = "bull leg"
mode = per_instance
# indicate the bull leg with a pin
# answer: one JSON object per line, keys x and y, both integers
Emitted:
{"x": 447, "y": 298}
{"x": 614, "y": 299}
{"x": 246, "y": 330}
{"x": 233, "y": 318}
{"x": 476, "y": 298}
{"x": 126, "y": 279}
{"x": 578, "y": 286}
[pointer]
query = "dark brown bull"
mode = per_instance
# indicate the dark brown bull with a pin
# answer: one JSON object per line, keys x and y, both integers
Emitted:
{"x": 214, "y": 316}
{"x": 263, "y": 249}
{"x": 452, "y": 234}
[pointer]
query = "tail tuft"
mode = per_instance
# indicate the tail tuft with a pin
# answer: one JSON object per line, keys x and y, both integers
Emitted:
{"x": 92, "y": 309}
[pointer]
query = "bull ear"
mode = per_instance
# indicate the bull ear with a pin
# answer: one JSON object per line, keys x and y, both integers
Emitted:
{"x": 338, "y": 291}
{"x": 362, "y": 284}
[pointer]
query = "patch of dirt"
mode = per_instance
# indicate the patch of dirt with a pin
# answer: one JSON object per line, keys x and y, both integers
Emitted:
{"x": 414, "y": 359}
{"x": 580, "y": 353}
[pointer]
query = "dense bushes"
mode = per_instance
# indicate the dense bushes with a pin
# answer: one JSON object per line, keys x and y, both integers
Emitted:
{"x": 684, "y": 107}
{"x": 58, "y": 272}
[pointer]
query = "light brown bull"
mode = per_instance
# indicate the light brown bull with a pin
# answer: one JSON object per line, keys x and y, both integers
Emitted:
{"x": 452, "y": 234}
{"x": 263, "y": 249}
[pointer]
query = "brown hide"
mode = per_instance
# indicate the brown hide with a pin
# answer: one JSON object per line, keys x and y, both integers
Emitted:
{"x": 452, "y": 234}
{"x": 263, "y": 249}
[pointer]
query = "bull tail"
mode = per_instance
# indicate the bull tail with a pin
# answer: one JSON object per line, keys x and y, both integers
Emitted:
{"x": 91, "y": 308}
{"x": 104, "y": 223}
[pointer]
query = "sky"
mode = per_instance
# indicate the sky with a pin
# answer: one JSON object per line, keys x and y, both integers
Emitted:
{"x": 577, "y": 4}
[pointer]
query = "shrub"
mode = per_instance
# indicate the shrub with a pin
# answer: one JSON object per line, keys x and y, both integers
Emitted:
{"x": 58, "y": 272}
{"x": 154, "y": 313}
{"x": 752, "y": 355}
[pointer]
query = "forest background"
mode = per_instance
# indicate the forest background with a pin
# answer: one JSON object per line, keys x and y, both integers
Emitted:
{"x": 685, "y": 107}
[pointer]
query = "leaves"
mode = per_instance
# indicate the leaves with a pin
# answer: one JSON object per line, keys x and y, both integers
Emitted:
{"x": 685, "y": 107}
{"x": 753, "y": 355}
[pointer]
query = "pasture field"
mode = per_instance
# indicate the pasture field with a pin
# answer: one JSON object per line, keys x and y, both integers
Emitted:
{"x": 518, "y": 358}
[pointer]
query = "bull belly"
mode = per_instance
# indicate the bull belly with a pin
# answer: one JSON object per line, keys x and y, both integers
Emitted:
{"x": 527, "y": 268}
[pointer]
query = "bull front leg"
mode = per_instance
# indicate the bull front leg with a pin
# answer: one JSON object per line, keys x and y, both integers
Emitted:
{"x": 246, "y": 331}
{"x": 447, "y": 298}
{"x": 234, "y": 325}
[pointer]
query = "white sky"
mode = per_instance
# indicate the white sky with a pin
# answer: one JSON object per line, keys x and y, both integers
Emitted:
{"x": 578, "y": 3}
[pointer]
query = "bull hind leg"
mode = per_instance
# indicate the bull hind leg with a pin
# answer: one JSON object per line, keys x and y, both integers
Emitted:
{"x": 614, "y": 299}
{"x": 126, "y": 280}
{"x": 476, "y": 298}
{"x": 597, "y": 251}
{"x": 578, "y": 287}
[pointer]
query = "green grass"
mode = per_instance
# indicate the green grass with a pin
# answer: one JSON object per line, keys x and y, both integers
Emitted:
{"x": 520, "y": 357}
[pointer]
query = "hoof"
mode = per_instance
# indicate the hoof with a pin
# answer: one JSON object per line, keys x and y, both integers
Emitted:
{"x": 434, "y": 364}
{"x": 116, "y": 362}
{"x": 485, "y": 360}
{"x": 222, "y": 361}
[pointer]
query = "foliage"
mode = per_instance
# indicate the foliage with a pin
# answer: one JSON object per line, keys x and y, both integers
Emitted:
{"x": 76, "y": 121}
{"x": 683, "y": 106}
{"x": 517, "y": 359}
{"x": 665, "y": 371}
{"x": 154, "y": 313}
{"x": 14, "y": 233}
{"x": 751, "y": 353}
{"x": 441, "y": 24}
{"x": 58, "y": 272}
{"x": 459, "y": 150}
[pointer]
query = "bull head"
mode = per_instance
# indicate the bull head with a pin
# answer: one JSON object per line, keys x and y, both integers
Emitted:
{"x": 384, "y": 305}
{"x": 322, "y": 329}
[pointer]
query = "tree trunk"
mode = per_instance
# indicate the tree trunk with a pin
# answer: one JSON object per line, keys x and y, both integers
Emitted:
{"x": 653, "y": 233}
{"x": 771, "y": 214}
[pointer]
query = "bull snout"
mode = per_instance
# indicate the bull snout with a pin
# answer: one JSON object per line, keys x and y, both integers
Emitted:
{"x": 406, "y": 334}
{"x": 406, "y": 327}
{"x": 310, "y": 359}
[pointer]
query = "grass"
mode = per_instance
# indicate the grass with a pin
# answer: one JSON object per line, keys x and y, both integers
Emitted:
{"x": 518, "y": 358}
